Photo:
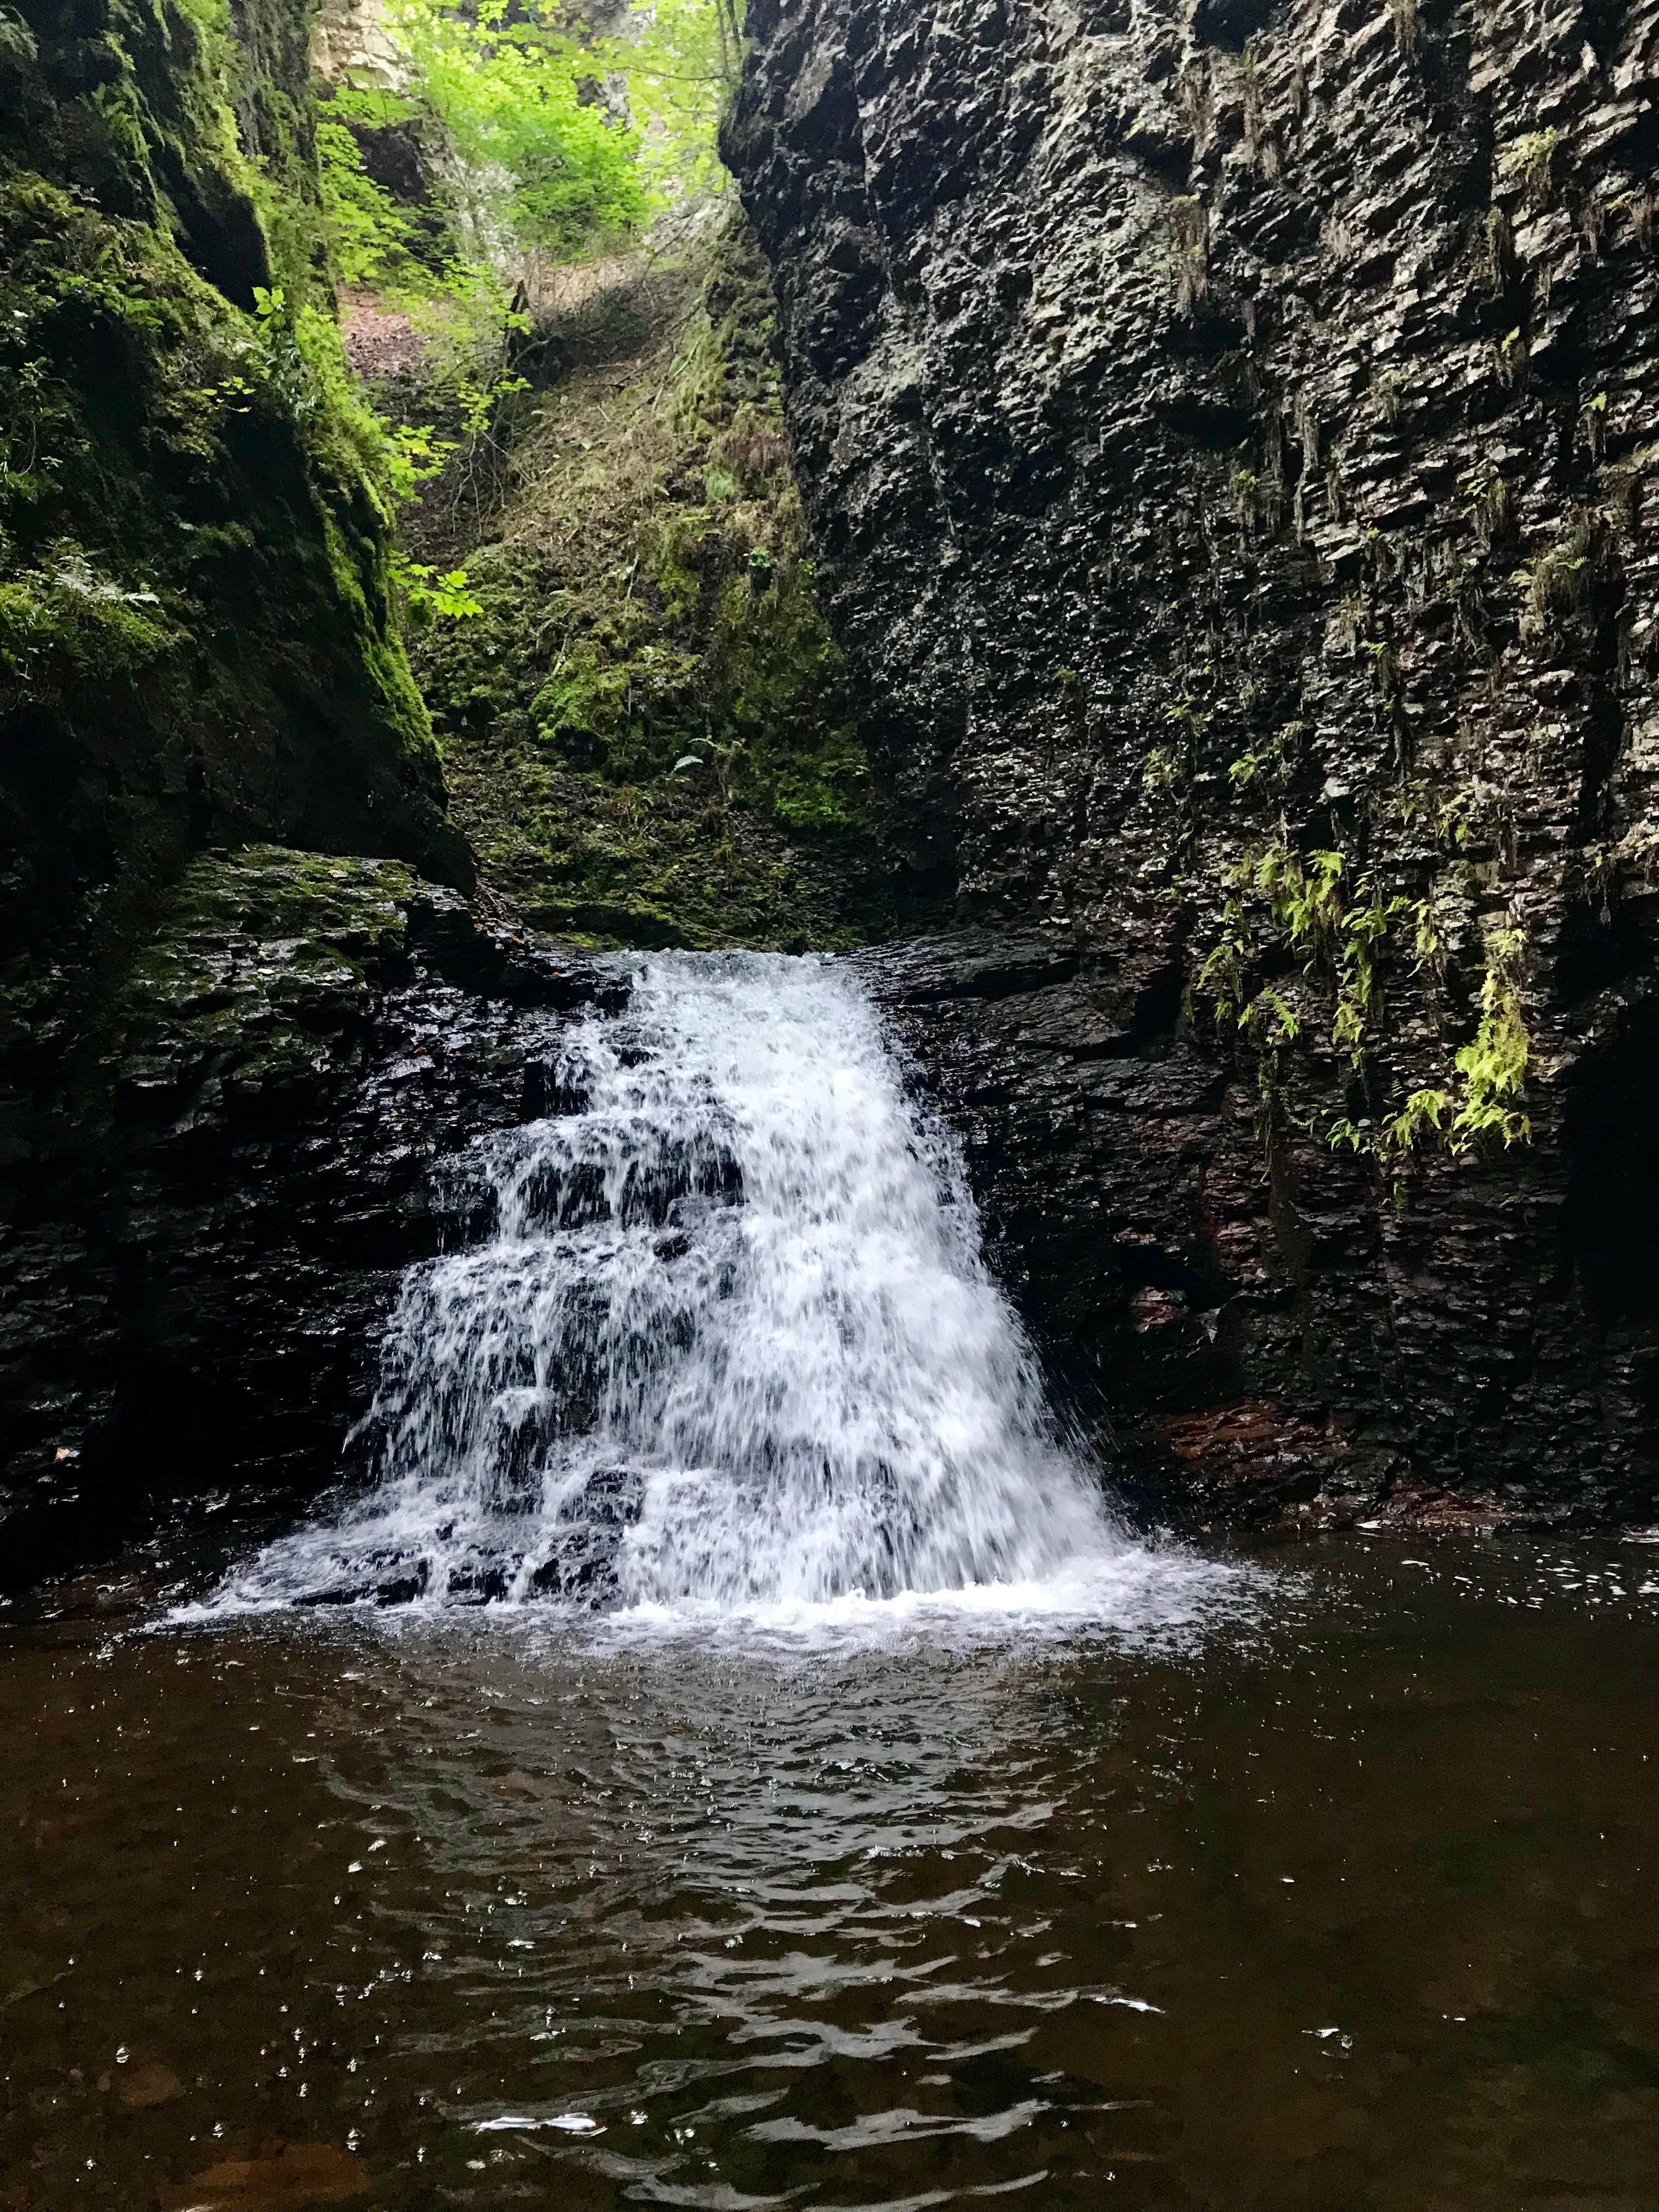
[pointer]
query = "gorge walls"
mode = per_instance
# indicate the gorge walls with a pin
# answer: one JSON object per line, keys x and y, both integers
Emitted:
{"x": 1228, "y": 437}
{"x": 197, "y": 649}
{"x": 196, "y": 634}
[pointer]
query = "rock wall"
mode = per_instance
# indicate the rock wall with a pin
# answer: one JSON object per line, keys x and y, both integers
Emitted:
{"x": 1228, "y": 434}
{"x": 197, "y": 647}
{"x": 195, "y": 1310}
{"x": 197, "y": 640}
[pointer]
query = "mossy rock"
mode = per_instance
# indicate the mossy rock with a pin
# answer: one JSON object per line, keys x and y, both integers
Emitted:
{"x": 264, "y": 961}
{"x": 197, "y": 633}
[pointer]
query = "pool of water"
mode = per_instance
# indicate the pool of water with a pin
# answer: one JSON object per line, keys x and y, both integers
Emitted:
{"x": 1342, "y": 1896}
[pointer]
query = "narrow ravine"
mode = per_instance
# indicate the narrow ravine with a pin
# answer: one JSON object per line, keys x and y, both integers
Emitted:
{"x": 828, "y": 1186}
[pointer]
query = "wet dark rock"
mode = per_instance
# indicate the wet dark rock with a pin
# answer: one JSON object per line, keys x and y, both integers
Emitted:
{"x": 205, "y": 1221}
{"x": 1234, "y": 1359}
{"x": 148, "y": 2083}
{"x": 403, "y": 1589}
{"x": 589, "y": 1531}
{"x": 290, "y": 2174}
{"x": 480, "y": 1586}
{"x": 1229, "y": 434}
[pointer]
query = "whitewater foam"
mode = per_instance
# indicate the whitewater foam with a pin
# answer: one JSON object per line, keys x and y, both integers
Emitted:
{"x": 728, "y": 1349}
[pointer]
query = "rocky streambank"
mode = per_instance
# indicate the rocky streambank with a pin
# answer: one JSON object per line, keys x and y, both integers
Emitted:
{"x": 199, "y": 647}
{"x": 1228, "y": 436}
{"x": 209, "y": 1231}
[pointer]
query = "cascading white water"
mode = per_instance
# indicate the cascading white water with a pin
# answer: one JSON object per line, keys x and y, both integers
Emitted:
{"x": 731, "y": 1341}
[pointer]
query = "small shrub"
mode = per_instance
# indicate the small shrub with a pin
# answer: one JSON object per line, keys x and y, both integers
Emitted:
{"x": 1423, "y": 1115}
{"x": 1509, "y": 356}
{"x": 1637, "y": 207}
{"x": 1164, "y": 769}
{"x": 1497, "y": 252}
{"x": 1407, "y": 19}
{"x": 1563, "y": 581}
{"x": 1494, "y": 1066}
{"x": 1491, "y": 505}
{"x": 1593, "y": 422}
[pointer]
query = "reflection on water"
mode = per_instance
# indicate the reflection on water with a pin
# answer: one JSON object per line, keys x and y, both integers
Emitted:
{"x": 1350, "y": 1904}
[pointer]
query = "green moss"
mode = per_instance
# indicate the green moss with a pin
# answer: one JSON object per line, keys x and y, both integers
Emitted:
{"x": 645, "y": 733}
{"x": 65, "y": 621}
{"x": 263, "y": 957}
{"x": 196, "y": 633}
{"x": 272, "y": 891}
{"x": 271, "y": 93}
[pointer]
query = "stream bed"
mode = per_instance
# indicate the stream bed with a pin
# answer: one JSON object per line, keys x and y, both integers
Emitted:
{"x": 722, "y": 1748}
{"x": 1343, "y": 1896}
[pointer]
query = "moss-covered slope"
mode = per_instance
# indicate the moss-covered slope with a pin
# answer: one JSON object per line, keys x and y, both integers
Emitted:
{"x": 196, "y": 641}
{"x": 646, "y": 733}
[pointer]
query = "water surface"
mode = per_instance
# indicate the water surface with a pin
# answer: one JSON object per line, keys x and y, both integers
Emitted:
{"x": 725, "y": 1752}
{"x": 1345, "y": 1900}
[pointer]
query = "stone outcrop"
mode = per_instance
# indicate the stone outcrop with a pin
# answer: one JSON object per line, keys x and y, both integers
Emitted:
{"x": 1228, "y": 436}
{"x": 198, "y": 646}
{"x": 196, "y": 1275}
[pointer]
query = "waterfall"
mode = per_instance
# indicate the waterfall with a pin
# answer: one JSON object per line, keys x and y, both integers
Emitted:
{"x": 725, "y": 1336}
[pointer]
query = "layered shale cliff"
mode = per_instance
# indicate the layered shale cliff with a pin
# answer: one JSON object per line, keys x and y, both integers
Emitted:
{"x": 1228, "y": 434}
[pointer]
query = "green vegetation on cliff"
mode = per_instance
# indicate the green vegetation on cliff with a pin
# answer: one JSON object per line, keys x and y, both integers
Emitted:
{"x": 645, "y": 733}
{"x": 329, "y": 912}
{"x": 202, "y": 601}
{"x": 538, "y": 136}
{"x": 262, "y": 958}
{"x": 197, "y": 629}
{"x": 638, "y": 703}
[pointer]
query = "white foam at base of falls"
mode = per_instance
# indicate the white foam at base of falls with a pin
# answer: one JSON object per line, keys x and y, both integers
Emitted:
{"x": 731, "y": 1350}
